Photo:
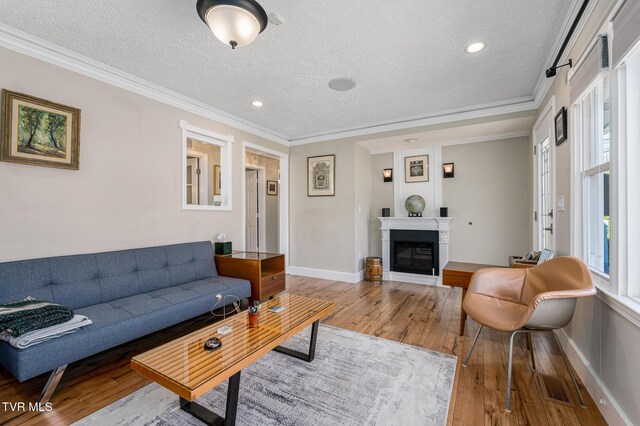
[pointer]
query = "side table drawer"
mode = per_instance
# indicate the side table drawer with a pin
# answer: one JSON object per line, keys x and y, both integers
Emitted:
{"x": 272, "y": 285}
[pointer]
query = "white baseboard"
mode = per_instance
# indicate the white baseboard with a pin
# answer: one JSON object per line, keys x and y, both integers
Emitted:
{"x": 411, "y": 278}
{"x": 608, "y": 406}
{"x": 348, "y": 277}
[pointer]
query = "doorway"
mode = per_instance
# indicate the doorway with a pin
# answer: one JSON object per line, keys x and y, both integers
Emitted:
{"x": 255, "y": 211}
{"x": 276, "y": 180}
{"x": 544, "y": 193}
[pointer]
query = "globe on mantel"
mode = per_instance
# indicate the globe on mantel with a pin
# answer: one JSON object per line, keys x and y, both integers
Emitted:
{"x": 415, "y": 204}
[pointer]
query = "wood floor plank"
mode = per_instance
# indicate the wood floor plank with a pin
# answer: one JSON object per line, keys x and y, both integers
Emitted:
{"x": 414, "y": 314}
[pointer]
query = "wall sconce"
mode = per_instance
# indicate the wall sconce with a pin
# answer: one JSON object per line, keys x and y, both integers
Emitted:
{"x": 388, "y": 175}
{"x": 447, "y": 170}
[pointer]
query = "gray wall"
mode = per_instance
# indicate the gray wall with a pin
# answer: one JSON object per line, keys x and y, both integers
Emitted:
{"x": 490, "y": 190}
{"x": 609, "y": 343}
{"x": 381, "y": 196}
{"x": 128, "y": 190}
{"x": 362, "y": 205}
{"x": 322, "y": 228}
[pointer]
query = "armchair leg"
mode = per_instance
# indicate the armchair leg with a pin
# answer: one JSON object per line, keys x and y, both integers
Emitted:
{"x": 530, "y": 347}
{"x": 52, "y": 382}
{"x": 510, "y": 372}
{"x": 566, "y": 362}
{"x": 473, "y": 345}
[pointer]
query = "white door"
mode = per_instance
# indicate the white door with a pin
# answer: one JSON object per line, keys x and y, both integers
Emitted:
{"x": 252, "y": 243}
{"x": 192, "y": 181}
{"x": 544, "y": 181}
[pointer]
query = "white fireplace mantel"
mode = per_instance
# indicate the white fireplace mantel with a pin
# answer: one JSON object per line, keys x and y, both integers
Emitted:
{"x": 440, "y": 224}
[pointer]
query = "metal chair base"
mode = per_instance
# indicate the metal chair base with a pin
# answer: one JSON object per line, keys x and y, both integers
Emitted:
{"x": 533, "y": 361}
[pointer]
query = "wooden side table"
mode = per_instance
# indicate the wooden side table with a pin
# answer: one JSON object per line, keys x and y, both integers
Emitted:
{"x": 458, "y": 274}
{"x": 265, "y": 271}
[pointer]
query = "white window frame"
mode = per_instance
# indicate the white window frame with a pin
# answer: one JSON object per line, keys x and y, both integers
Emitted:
{"x": 225, "y": 143}
{"x": 579, "y": 176}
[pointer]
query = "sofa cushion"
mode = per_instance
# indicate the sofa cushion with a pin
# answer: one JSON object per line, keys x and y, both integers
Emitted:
{"x": 25, "y": 278}
{"x": 117, "y": 274}
{"x": 74, "y": 281}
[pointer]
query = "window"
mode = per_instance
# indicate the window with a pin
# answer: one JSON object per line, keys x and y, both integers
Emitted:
{"x": 592, "y": 118}
{"x": 628, "y": 75}
{"x": 206, "y": 169}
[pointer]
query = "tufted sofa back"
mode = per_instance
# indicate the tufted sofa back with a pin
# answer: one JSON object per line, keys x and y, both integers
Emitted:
{"x": 88, "y": 279}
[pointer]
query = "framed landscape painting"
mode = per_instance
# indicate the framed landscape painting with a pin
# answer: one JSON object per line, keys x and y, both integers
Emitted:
{"x": 38, "y": 132}
{"x": 321, "y": 176}
{"x": 416, "y": 169}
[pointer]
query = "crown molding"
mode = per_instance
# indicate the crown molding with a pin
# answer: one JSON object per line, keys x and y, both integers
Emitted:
{"x": 544, "y": 84}
{"x": 461, "y": 141}
{"x": 38, "y": 48}
{"x": 447, "y": 116}
{"x": 43, "y": 50}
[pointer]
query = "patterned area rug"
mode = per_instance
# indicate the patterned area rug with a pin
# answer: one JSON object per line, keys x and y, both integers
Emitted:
{"x": 355, "y": 379}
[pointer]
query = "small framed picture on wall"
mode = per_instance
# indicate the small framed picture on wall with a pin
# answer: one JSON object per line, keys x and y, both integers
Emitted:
{"x": 321, "y": 176}
{"x": 272, "y": 187}
{"x": 416, "y": 169}
{"x": 561, "y": 126}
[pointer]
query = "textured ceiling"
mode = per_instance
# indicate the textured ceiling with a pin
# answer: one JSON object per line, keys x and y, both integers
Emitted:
{"x": 407, "y": 57}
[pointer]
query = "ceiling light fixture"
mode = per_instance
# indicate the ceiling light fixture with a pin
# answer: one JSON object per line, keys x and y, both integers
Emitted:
{"x": 257, "y": 103}
{"x": 475, "y": 47}
{"x": 411, "y": 140}
{"x": 234, "y": 22}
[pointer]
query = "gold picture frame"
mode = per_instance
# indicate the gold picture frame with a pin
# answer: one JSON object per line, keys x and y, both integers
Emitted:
{"x": 38, "y": 132}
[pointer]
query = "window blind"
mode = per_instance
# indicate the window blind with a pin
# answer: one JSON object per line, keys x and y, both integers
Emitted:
{"x": 596, "y": 60}
{"x": 626, "y": 30}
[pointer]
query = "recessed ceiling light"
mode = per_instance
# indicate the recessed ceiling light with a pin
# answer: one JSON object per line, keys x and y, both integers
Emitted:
{"x": 342, "y": 84}
{"x": 475, "y": 47}
{"x": 257, "y": 103}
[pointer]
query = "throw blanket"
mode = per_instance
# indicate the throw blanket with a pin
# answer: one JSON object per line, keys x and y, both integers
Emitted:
{"x": 30, "y": 314}
{"x": 34, "y": 337}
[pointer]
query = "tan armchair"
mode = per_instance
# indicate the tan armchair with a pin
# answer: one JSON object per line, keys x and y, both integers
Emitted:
{"x": 539, "y": 299}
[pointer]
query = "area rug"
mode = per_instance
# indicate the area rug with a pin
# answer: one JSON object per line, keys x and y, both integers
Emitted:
{"x": 355, "y": 379}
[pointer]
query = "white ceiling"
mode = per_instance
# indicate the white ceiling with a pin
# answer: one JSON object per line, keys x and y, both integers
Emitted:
{"x": 407, "y": 57}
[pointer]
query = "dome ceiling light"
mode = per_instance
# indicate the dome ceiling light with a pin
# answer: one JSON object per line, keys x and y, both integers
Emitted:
{"x": 234, "y": 22}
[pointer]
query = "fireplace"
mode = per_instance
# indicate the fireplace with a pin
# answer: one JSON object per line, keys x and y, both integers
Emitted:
{"x": 414, "y": 252}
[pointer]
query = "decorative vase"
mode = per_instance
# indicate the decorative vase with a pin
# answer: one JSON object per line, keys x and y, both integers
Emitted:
{"x": 254, "y": 320}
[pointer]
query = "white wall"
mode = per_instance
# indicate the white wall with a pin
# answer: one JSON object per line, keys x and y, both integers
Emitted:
{"x": 362, "y": 205}
{"x": 127, "y": 192}
{"x": 488, "y": 200}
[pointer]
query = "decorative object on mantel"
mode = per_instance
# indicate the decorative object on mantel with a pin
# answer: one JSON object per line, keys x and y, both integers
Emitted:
{"x": 416, "y": 169}
{"x": 387, "y": 174}
{"x": 222, "y": 246}
{"x": 444, "y": 211}
{"x": 561, "y": 126}
{"x": 447, "y": 170}
{"x": 321, "y": 176}
{"x": 386, "y": 212}
{"x": 415, "y": 204}
{"x": 272, "y": 187}
{"x": 233, "y": 22}
{"x": 38, "y": 132}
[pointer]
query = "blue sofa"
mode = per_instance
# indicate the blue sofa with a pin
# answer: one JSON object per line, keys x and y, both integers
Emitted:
{"x": 126, "y": 294}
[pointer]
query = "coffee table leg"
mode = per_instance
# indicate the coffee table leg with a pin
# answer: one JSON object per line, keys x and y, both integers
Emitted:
{"x": 463, "y": 314}
{"x": 301, "y": 355}
{"x": 209, "y": 417}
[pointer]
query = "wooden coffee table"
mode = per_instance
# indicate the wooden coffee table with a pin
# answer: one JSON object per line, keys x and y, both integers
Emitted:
{"x": 184, "y": 367}
{"x": 458, "y": 274}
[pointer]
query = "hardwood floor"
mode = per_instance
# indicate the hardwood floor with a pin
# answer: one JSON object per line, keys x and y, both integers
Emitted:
{"x": 414, "y": 314}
